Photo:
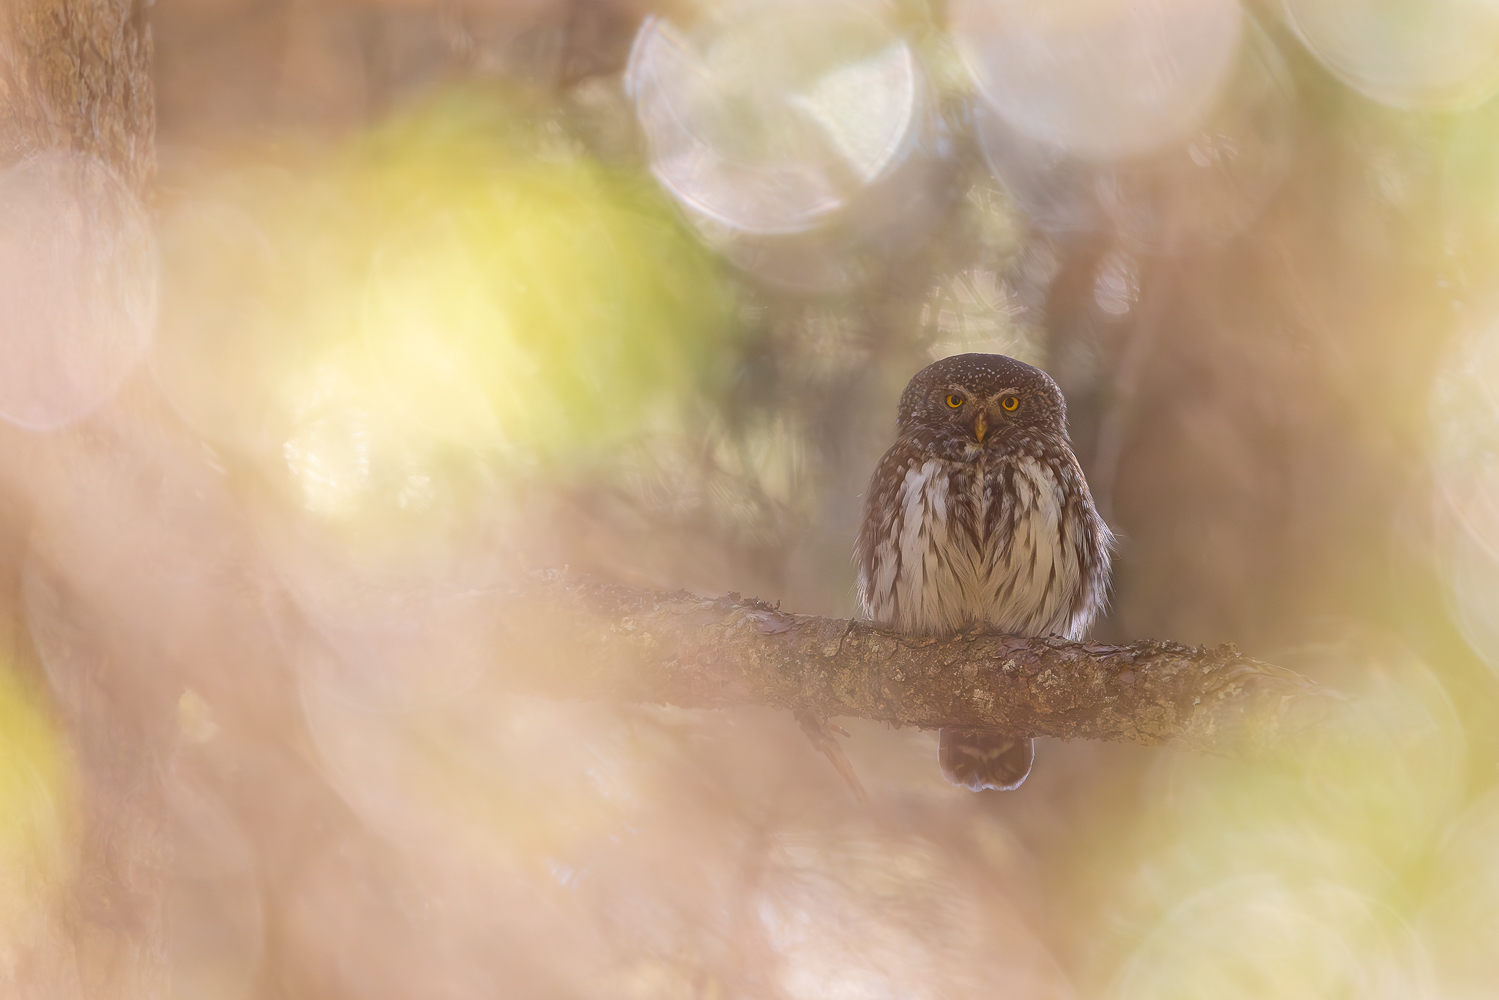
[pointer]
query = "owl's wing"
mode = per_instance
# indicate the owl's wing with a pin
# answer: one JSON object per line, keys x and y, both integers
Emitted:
{"x": 1095, "y": 550}
{"x": 877, "y": 550}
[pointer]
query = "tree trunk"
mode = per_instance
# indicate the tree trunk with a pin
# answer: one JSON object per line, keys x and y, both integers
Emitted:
{"x": 75, "y": 79}
{"x": 75, "y": 75}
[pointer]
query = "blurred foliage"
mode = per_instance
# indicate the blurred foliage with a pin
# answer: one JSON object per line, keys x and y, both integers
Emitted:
{"x": 455, "y": 284}
{"x": 38, "y": 817}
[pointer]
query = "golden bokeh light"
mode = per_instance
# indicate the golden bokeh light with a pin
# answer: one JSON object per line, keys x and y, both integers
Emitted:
{"x": 38, "y": 816}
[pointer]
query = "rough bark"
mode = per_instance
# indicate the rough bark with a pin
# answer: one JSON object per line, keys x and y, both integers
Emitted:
{"x": 76, "y": 75}
{"x": 578, "y": 638}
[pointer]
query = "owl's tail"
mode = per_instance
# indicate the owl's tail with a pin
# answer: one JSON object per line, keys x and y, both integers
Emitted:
{"x": 980, "y": 759}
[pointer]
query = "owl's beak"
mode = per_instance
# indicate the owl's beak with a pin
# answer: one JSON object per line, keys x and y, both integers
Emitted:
{"x": 981, "y": 425}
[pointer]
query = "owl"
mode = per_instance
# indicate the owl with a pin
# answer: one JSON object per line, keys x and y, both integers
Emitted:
{"x": 979, "y": 517}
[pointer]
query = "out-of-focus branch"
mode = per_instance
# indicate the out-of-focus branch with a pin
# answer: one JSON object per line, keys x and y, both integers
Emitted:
{"x": 573, "y": 637}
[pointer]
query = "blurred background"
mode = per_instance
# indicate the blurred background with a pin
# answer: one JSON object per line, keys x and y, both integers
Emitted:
{"x": 426, "y": 294}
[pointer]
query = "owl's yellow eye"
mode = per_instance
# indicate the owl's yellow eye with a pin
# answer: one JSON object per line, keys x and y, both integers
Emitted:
{"x": 1010, "y": 403}
{"x": 954, "y": 400}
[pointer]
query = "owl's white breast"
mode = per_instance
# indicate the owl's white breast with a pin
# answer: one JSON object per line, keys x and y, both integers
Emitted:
{"x": 1028, "y": 586}
{"x": 949, "y": 562}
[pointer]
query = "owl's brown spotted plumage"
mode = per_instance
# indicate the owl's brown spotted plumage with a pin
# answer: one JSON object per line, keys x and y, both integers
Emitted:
{"x": 979, "y": 516}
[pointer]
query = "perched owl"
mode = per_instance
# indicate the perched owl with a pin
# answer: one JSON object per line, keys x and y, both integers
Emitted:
{"x": 979, "y": 516}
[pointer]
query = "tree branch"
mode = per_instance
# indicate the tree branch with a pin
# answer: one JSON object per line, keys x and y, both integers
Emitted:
{"x": 581, "y": 638}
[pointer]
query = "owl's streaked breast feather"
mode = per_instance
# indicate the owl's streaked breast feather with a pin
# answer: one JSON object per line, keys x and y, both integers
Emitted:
{"x": 1005, "y": 542}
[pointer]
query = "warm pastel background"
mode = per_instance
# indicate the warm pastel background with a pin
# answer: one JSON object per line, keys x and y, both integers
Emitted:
{"x": 450, "y": 289}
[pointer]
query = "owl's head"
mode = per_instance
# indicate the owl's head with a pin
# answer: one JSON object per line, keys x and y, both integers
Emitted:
{"x": 985, "y": 400}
